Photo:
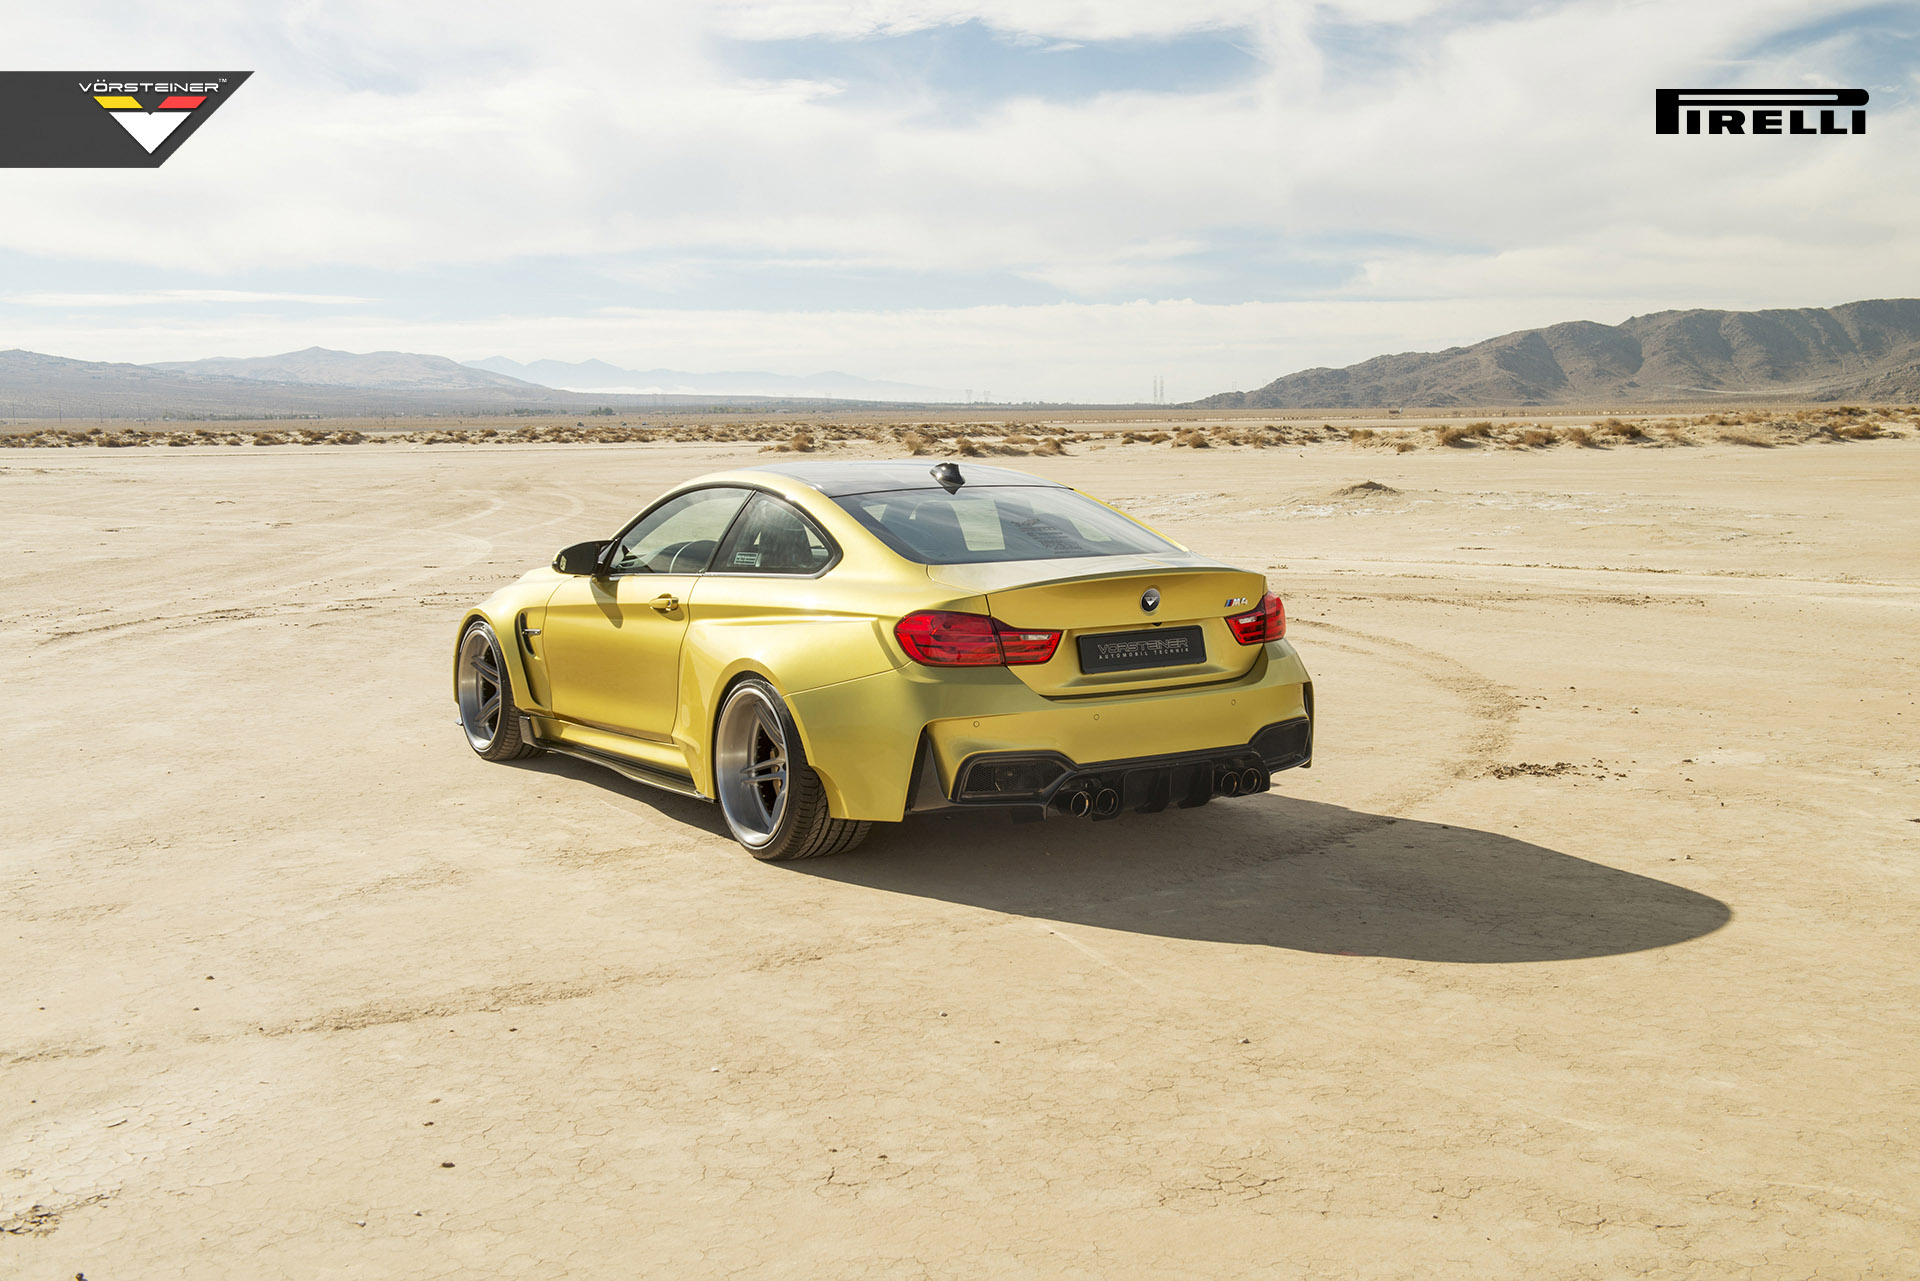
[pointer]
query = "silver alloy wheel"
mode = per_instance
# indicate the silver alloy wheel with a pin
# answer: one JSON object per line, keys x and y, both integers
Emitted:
{"x": 750, "y": 766}
{"x": 479, "y": 687}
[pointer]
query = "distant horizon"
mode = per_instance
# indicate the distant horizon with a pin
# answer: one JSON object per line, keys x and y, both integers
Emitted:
{"x": 1866, "y": 347}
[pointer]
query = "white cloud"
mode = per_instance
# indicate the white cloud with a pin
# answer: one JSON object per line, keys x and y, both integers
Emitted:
{"x": 173, "y": 297}
{"x": 1497, "y": 161}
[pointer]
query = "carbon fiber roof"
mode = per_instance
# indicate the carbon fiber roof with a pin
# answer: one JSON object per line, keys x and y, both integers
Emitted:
{"x": 840, "y": 479}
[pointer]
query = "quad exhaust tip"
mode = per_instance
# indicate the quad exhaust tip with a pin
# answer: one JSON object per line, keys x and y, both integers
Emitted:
{"x": 1087, "y": 801}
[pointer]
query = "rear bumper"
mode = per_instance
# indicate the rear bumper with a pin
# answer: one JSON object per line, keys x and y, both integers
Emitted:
{"x": 1036, "y": 784}
{"x": 898, "y": 741}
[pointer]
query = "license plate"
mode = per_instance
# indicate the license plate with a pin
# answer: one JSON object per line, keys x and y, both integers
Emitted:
{"x": 1157, "y": 647}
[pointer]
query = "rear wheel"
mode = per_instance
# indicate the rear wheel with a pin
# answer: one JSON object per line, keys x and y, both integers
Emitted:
{"x": 484, "y": 692}
{"x": 773, "y": 801}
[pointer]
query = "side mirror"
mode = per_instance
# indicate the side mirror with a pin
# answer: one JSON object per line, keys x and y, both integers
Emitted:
{"x": 581, "y": 558}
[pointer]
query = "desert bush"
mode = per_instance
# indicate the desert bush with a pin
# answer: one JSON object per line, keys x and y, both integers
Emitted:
{"x": 1454, "y": 434}
{"x": 1622, "y": 430}
{"x": 916, "y": 443}
{"x": 1405, "y": 445}
{"x": 968, "y": 447}
{"x": 800, "y": 442}
{"x": 1579, "y": 436}
{"x": 1361, "y": 435}
{"x": 1860, "y": 431}
{"x": 1535, "y": 437}
{"x": 1192, "y": 440}
{"x": 1049, "y": 447}
{"x": 1738, "y": 436}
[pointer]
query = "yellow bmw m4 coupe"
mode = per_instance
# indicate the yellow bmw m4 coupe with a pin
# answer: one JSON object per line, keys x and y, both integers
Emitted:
{"x": 821, "y": 646}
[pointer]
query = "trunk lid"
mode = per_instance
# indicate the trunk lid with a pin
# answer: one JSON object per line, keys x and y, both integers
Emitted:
{"x": 1110, "y": 643}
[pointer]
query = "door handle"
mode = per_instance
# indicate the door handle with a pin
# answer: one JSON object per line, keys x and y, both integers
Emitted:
{"x": 664, "y": 603}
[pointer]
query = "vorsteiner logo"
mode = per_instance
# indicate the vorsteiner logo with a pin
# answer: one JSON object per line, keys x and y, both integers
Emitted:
{"x": 1759, "y": 110}
{"x": 105, "y": 120}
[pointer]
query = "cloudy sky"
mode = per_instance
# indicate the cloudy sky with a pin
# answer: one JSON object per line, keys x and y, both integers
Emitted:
{"x": 1028, "y": 198}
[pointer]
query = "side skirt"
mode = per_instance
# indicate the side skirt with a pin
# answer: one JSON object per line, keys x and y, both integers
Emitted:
{"x": 679, "y": 784}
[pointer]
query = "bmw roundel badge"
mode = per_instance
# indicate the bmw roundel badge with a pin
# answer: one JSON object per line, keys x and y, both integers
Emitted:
{"x": 1150, "y": 599}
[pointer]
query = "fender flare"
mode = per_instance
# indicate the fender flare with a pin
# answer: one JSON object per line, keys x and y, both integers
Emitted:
{"x": 509, "y": 654}
{"x": 734, "y": 674}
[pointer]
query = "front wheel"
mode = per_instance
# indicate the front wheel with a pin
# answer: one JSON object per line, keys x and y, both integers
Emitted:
{"x": 773, "y": 801}
{"x": 484, "y": 692}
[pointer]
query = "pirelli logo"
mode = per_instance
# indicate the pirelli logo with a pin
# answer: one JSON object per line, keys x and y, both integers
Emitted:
{"x": 1752, "y": 111}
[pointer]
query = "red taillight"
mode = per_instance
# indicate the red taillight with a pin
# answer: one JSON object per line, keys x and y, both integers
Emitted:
{"x": 1256, "y": 627}
{"x": 943, "y": 638}
{"x": 1023, "y": 647}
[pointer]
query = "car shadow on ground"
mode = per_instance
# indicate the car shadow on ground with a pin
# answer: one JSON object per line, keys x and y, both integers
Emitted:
{"x": 692, "y": 811}
{"x": 1268, "y": 871}
{"x": 1274, "y": 871}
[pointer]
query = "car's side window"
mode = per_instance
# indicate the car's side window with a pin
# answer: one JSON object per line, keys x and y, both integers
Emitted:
{"x": 679, "y": 536}
{"x": 772, "y": 538}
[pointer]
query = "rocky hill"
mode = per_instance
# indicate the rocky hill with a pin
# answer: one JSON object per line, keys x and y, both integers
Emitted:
{"x": 314, "y": 381}
{"x": 381, "y": 370}
{"x": 1859, "y": 351}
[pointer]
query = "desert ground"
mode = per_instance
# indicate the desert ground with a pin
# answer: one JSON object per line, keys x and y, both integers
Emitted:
{"x": 1586, "y": 949}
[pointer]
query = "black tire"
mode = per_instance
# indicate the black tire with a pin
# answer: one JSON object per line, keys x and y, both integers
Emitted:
{"x": 483, "y": 692}
{"x": 790, "y": 821}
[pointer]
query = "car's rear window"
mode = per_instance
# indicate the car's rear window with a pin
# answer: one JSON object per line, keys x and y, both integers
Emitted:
{"x": 992, "y": 522}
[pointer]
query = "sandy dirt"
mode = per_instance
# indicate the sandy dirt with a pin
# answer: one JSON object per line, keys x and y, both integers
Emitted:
{"x": 1587, "y": 949}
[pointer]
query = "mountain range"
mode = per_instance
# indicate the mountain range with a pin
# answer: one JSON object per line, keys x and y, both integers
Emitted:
{"x": 1859, "y": 351}
{"x": 1867, "y": 351}
{"x": 315, "y": 381}
{"x": 598, "y": 375}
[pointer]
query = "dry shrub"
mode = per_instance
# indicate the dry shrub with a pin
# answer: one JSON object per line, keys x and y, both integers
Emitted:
{"x": 1454, "y": 435}
{"x": 1049, "y": 447}
{"x": 967, "y": 447}
{"x": 1361, "y": 435}
{"x": 1405, "y": 445}
{"x": 1192, "y": 440}
{"x": 1022, "y": 440}
{"x": 1736, "y": 436}
{"x": 1536, "y": 437}
{"x": 269, "y": 438}
{"x": 1579, "y": 436}
{"x": 916, "y": 443}
{"x": 1860, "y": 431}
